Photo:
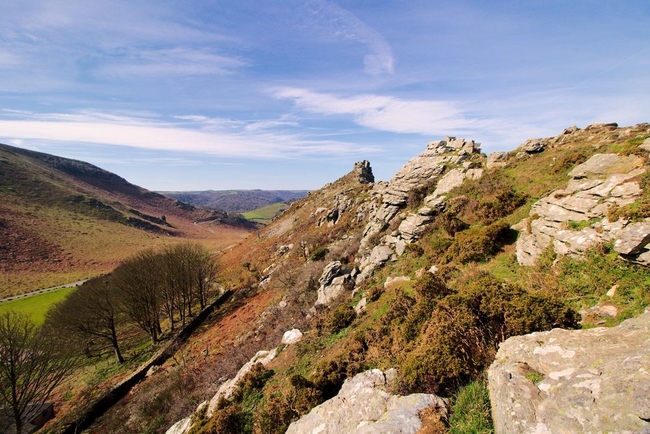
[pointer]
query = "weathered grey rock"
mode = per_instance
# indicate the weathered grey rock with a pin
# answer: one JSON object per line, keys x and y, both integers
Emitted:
{"x": 633, "y": 239}
{"x": 332, "y": 291}
{"x": 645, "y": 145}
{"x": 291, "y": 337}
{"x": 532, "y": 146}
{"x": 227, "y": 388}
{"x": 181, "y": 427}
{"x": 361, "y": 305}
{"x": 413, "y": 226}
{"x": 393, "y": 280}
{"x": 602, "y": 165}
{"x": 594, "y": 381}
{"x": 364, "y": 172}
{"x": 602, "y": 181}
{"x": 379, "y": 256}
{"x": 570, "y": 130}
{"x": 497, "y": 159}
{"x": 364, "y": 405}
{"x": 330, "y": 271}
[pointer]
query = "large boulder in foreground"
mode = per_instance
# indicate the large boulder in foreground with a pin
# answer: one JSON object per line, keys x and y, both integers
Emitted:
{"x": 561, "y": 381}
{"x": 364, "y": 406}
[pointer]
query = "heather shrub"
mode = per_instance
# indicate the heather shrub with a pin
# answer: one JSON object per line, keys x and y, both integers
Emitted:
{"x": 461, "y": 337}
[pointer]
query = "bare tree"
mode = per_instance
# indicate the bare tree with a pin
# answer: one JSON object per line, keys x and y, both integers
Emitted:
{"x": 91, "y": 312}
{"x": 32, "y": 365}
{"x": 138, "y": 281}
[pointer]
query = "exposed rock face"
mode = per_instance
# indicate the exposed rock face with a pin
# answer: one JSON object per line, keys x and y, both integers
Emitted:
{"x": 333, "y": 282}
{"x": 532, "y": 146}
{"x": 425, "y": 171}
{"x": 364, "y": 172}
{"x": 228, "y": 387}
{"x": 597, "y": 184}
{"x": 497, "y": 159}
{"x": 363, "y": 405}
{"x": 183, "y": 426}
{"x": 594, "y": 381}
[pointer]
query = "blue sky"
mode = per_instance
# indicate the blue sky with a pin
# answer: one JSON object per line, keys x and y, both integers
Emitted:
{"x": 288, "y": 94}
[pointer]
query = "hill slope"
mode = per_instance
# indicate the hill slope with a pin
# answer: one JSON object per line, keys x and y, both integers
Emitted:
{"x": 63, "y": 219}
{"x": 236, "y": 200}
{"x": 421, "y": 274}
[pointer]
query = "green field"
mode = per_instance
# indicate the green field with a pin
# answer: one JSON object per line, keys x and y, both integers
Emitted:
{"x": 36, "y": 306}
{"x": 265, "y": 214}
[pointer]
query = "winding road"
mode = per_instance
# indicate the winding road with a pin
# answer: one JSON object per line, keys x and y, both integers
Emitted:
{"x": 41, "y": 291}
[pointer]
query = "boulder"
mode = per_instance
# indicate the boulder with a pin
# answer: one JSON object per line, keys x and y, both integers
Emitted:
{"x": 365, "y": 406}
{"x": 533, "y": 146}
{"x": 562, "y": 381}
{"x": 331, "y": 270}
{"x": 291, "y": 337}
{"x": 645, "y": 145}
{"x": 497, "y": 159}
{"x": 227, "y": 388}
{"x": 633, "y": 239}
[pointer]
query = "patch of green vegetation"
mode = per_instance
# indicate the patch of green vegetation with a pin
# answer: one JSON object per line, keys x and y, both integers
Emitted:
{"x": 534, "y": 376}
{"x": 471, "y": 411}
{"x": 36, "y": 306}
{"x": 578, "y": 226}
{"x": 266, "y": 214}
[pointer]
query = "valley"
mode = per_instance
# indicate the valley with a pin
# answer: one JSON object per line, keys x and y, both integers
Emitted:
{"x": 397, "y": 294}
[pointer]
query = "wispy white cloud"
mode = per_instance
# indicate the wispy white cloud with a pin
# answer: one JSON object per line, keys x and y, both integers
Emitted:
{"x": 381, "y": 112}
{"x": 346, "y": 26}
{"x": 175, "y": 61}
{"x": 204, "y": 135}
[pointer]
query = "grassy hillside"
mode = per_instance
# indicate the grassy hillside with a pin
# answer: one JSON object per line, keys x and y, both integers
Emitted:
{"x": 240, "y": 201}
{"x": 266, "y": 214}
{"x": 64, "y": 220}
{"x": 440, "y": 332}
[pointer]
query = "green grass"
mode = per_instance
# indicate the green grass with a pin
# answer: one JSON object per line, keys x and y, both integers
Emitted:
{"x": 36, "y": 306}
{"x": 471, "y": 412}
{"x": 265, "y": 214}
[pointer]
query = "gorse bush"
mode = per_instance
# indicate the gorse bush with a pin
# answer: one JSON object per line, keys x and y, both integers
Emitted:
{"x": 463, "y": 332}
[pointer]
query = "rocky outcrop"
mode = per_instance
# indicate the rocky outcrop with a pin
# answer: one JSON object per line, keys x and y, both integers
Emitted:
{"x": 364, "y": 172}
{"x": 497, "y": 159}
{"x": 444, "y": 165}
{"x": 334, "y": 281}
{"x": 561, "y": 381}
{"x": 573, "y": 219}
{"x": 365, "y": 406}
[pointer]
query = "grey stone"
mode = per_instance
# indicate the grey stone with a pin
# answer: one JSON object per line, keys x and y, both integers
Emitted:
{"x": 645, "y": 145}
{"x": 497, "y": 159}
{"x": 597, "y": 184}
{"x": 361, "y": 305}
{"x": 227, "y": 388}
{"x": 532, "y": 146}
{"x": 291, "y": 337}
{"x": 364, "y": 172}
{"x": 330, "y": 271}
{"x": 364, "y": 405}
{"x": 633, "y": 239}
{"x": 601, "y": 165}
{"x": 593, "y": 381}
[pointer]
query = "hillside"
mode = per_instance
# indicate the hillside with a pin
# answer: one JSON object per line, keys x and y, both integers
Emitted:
{"x": 425, "y": 274}
{"x": 239, "y": 201}
{"x": 63, "y": 220}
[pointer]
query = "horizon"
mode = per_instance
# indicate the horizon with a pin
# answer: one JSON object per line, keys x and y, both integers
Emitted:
{"x": 288, "y": 95}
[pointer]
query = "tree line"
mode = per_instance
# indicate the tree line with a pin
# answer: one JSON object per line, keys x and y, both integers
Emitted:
{"x": 153, "y": 290}
{"x": 147, "y": 289}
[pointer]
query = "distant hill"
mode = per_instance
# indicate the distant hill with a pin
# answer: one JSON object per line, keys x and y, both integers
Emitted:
{"x": 63, "y": 219}
{"x": 239, "y": 201}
